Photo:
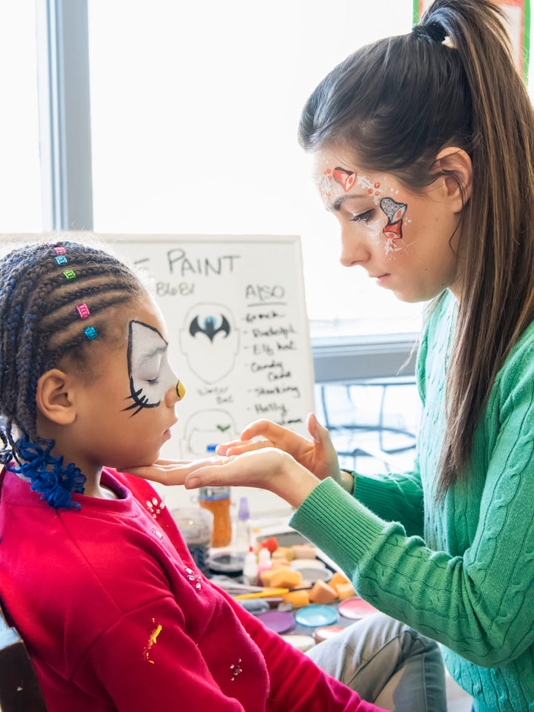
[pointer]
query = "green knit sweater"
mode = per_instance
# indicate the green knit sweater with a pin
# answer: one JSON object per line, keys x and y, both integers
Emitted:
{"x": 463, "y": 572}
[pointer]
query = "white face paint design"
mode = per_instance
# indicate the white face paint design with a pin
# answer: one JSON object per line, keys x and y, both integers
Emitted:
{"x": 150, "y": 373}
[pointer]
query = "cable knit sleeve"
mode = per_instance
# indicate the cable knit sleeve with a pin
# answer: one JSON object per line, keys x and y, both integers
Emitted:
{"x": 480, "y": 604}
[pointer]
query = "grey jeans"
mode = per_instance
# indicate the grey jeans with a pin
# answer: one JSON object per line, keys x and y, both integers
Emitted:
{"x": 388, "y": 663}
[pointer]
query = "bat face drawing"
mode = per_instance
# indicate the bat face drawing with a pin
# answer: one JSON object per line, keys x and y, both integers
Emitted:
{"x": 209, "y": 339}
{"x": 210, "y": 327}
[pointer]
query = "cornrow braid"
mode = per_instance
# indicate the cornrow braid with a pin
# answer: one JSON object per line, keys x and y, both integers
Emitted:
{"x": 40, "y": 323}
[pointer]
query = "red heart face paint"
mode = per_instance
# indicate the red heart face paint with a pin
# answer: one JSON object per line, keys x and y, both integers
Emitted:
{"x": 345, "y": 178}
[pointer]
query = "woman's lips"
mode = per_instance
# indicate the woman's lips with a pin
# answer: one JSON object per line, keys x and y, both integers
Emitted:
{"x": 382, "y": 279}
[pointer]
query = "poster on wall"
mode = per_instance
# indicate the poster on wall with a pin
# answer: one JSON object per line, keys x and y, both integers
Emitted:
{"x": 517, "y": 12}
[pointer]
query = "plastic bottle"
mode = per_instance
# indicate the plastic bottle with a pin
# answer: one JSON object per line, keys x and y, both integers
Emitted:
{"x": 243, "y": 533}
{"x": 264, "y": 561}
{"x": 250, "y": 569}
{"x": 217, "y": 501}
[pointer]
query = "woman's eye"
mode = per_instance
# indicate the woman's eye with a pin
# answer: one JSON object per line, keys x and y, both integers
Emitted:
{"x": 153, "y": 381}
{"x": 363, "y": 217}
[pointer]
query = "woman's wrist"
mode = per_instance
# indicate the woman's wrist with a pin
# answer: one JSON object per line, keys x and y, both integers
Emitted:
{"x": 347, "y": 481}
{"x": 295, "y": 484}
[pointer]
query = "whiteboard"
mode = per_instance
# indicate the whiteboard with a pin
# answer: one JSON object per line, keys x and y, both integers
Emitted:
{"x": 238, "y": 335}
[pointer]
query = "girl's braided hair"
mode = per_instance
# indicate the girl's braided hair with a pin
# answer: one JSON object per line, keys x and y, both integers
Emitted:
{"x": 40, "y": 325}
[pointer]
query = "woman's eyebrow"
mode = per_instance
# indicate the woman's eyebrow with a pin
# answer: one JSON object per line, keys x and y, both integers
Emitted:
{"x": 336, "y": 205}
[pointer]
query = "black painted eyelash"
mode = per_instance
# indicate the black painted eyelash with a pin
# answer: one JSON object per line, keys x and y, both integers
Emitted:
{"x": 140, "y": 402}
{"x": 363, "y": 217}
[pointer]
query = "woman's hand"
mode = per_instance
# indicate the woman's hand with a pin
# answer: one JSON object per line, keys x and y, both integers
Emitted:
{"x": 169, "y": 472}
{"x": 317, "y": 455}
{"x": 267, "y": 468}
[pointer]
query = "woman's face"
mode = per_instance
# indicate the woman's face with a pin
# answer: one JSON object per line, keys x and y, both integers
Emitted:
{"x": 406, "y": 241}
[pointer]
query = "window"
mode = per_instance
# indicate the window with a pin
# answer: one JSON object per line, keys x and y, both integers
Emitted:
{"x": 195, "y": 108}
{"x": 20, "y": 180}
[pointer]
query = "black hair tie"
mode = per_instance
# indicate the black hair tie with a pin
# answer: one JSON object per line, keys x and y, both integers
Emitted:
{"x": 432, "y": 30}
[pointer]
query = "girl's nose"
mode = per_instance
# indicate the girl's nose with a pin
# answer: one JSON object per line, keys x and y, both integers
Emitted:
{"x": 175, "y": 394}
{"x": 354, "y": 247}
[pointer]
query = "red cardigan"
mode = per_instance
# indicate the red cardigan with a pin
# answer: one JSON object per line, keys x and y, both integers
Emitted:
{"x": 116, "y": 616}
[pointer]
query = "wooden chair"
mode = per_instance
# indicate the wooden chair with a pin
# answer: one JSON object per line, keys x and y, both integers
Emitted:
{"x": 19, "y": 688}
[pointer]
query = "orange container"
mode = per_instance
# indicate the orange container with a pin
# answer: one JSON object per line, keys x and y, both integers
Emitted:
{"x": 217, "y": 501}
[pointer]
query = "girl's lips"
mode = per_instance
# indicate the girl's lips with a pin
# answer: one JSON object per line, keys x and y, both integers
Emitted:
{"x": 167, "y": 434}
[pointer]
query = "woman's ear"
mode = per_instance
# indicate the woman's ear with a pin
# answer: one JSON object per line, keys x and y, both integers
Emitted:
{"x": 55, "y": 397}
{"x": 455, "y": 165}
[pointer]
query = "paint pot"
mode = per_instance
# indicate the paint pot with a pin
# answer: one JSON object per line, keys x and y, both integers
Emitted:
{"x": 228, "y": 564}
{"x": 355, "y": 608}
{"x": 317, "y": 615}
{"x": 255, "y": 605}
{"x": 196, "y": 527}
{"x": 313, "y": 573}
{"x": 278, "y": 621}
{"x": 327, "y": 632}
{"x": 300, "y": 642}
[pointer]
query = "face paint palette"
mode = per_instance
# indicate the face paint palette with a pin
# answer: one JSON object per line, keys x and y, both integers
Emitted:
{"x": 313, "y": 616}
{"x": 355, "y": 608}
{"x": 300, "y": 642}
{"x": 326, "y": 632}
{"x": 278, "y": 621}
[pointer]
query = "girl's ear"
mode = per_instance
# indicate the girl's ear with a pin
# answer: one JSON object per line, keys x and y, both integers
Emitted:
{"x": 55, "y": 397}
{"x": 455, "y": 164}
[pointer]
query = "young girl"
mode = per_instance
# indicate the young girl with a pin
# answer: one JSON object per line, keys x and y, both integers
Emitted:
{"x": 424, "y": 153}
{"x": 93, "y": 571}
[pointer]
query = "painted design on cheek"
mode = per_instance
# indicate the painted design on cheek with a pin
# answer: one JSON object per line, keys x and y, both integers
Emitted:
{"x": 393, "y": 230}
{"x": 149, "y": 370}
{"x": 345, "y": 178}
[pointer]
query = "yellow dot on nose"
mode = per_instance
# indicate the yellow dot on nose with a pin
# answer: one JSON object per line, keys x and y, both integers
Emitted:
{"x": 180, "y": 390}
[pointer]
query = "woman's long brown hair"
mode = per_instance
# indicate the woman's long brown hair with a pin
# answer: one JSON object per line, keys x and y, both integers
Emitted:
{"x": 396, "y": 103}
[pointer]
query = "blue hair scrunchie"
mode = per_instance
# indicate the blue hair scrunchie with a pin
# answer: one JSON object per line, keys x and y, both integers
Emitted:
{"x": 47, "y": 475}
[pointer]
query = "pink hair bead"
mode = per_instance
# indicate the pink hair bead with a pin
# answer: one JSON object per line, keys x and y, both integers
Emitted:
{"x": 83, "y": 311}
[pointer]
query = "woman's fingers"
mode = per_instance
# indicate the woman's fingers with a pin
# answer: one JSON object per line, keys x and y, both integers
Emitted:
{"x": 240, "y": 448}
{"x": 280, "y": 437}
{"x": 269, "y": 468}
{"x": 170, "y": 472}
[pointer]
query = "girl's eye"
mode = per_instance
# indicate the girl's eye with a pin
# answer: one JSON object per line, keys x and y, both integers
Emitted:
{"x": 363, "y": 217}
{"x": 153, "y": 381}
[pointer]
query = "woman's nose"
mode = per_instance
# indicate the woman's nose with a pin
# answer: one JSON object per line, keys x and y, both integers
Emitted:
{"x": 354, "y": 247}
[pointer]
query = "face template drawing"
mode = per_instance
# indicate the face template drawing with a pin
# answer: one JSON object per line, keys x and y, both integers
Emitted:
{"x": 210, "y": 341}
{"x": 149, "y": 370}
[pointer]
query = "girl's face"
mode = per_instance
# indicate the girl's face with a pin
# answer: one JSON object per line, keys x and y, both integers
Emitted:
{"x": 406, "y": 241}
{"x": 125, "y": 414}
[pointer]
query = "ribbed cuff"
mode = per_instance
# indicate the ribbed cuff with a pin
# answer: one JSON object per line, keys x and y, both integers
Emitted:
{"x": 373, "y": 494}
{"x": 339, "y": 525}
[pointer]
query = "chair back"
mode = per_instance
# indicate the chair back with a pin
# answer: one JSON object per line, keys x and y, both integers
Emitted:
{"x": 19, "y": 688}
